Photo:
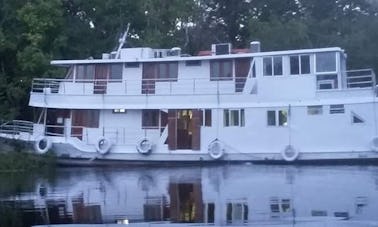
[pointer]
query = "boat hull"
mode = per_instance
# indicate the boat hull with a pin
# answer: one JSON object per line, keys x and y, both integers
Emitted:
{"x": 68, "y": 155}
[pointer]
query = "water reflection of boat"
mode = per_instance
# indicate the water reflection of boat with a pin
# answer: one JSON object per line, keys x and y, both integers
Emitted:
{"x": 227, "y": 195}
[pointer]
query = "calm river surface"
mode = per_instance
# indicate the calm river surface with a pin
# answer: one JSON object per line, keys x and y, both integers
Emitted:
{"x": 224, "y": 195}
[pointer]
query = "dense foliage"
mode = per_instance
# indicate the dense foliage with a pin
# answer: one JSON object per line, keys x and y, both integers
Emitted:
{"x": 32, "y": 32}
{"x": 14, "y": 157}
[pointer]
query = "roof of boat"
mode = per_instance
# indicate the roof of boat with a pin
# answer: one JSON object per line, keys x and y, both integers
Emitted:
{"x": 205, "y": 57}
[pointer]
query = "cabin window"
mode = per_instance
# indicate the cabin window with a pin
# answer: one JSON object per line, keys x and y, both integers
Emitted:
{"x": 115, "y": 72}
{"x": 357, "y": 119}
{"x": 326, "y": 62}
{"x": 206, "y": 117}
{"x": 221, "y": 69}
{"x": 279, "y": 206}
{"x": 168, "y": 70}
{"x": 326, "y": 77}
{"x": 163, "y": 71}
{"x": 314, "y": 110}
{"x": 299, "y": 64}
{"x": 341, "y": 214}
{"x": 336, "y": 109}
{"x": 132, "y": 65}
{"x": 209, "y": 212}
{"x": 282, "y": 117}
{"x": 272, "y": 66}
{"x": 277, "y": 117}
{"x": 271, "y": 116}
{"x": 86, "y": 118}
{"x": 193, "y": 63}
{"x": 150, "y": 119}
{"x": 233, "y": 117}
{"x": 85, "y": 72}
{"x": 237, "y": 213}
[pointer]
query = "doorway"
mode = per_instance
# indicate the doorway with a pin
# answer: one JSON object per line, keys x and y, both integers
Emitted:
{"x": 184, "y": 129}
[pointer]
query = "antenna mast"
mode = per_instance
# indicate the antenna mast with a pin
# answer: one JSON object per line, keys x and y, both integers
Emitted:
{"x": 122, "y": 41}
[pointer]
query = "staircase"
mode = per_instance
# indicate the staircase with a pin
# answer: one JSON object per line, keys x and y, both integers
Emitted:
{"x": 250, "y": 86}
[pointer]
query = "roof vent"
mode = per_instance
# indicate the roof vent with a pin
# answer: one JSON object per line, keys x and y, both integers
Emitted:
{"x": 220, "y": 49}
{"x": 105, "y": 56}
{"x": 175, "y": 51}
{"x": 255, "y": 46}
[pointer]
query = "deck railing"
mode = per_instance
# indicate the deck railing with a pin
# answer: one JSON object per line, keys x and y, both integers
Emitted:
{"x": 15, "y": 127}
{"x": 138, "y": 87}
{"x": 119, "y": 135}
{"x": 361, "y": 78}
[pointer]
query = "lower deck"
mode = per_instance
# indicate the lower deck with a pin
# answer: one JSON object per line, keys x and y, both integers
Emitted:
{"x": 338, "y": 131}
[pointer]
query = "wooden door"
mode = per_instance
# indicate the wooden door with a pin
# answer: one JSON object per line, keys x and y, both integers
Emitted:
{"x": 186, "y": 202}
{"x": 77, "y": 124}
{"x": 172, "y": 125}
{"x": 242, "y": 66}
{"x": 196, "y": 129}
{"x": 101, "y": 77}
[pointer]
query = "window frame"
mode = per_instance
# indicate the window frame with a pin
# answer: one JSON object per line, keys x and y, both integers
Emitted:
{"x": 112, "y": 69}
{"x": 85, "y": 78}
{"x": 150, "y": 112}
{"x": 232, "y": 214}
{"x": 330, "y": 76}
{"x": 229, "y": 118}
{"x": 170, "y": 71}
{"x": 300, "y": 64}
{"x": 354, "y": 115}
{"x": 207, "y": 117}
{"x": 278, "y": 113}
{"x": 279, "y": 206}
{"x": 219, "y": 65}
{"x": 273, "y": 65}
{"x": 324, "y": 71}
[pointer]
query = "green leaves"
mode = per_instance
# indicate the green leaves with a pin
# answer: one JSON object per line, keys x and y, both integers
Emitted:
{"x": 32, "y": 32}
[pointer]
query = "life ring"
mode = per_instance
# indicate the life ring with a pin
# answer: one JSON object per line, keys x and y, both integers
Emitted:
{"x": 144, "y": 146}
{"x": 289, "y": 154}
{"x": 216, "y": 149}
{"x": 103, "y": 145}
{"x": 374, "y": 144}
{"x": 42, "y": 145}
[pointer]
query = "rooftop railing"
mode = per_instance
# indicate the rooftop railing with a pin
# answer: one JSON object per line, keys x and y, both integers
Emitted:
{"x": 165, "y": 86}
{"x": 361, "y": 78}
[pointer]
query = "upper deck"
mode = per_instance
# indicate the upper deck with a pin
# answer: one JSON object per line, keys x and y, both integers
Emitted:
{"x": 143, "y": 78}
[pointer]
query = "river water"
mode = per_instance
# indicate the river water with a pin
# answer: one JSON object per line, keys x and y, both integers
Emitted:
{"x": 221, "y": 195}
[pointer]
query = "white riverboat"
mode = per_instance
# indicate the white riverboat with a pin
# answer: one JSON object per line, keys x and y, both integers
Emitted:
{"x": 144, "y": 104}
